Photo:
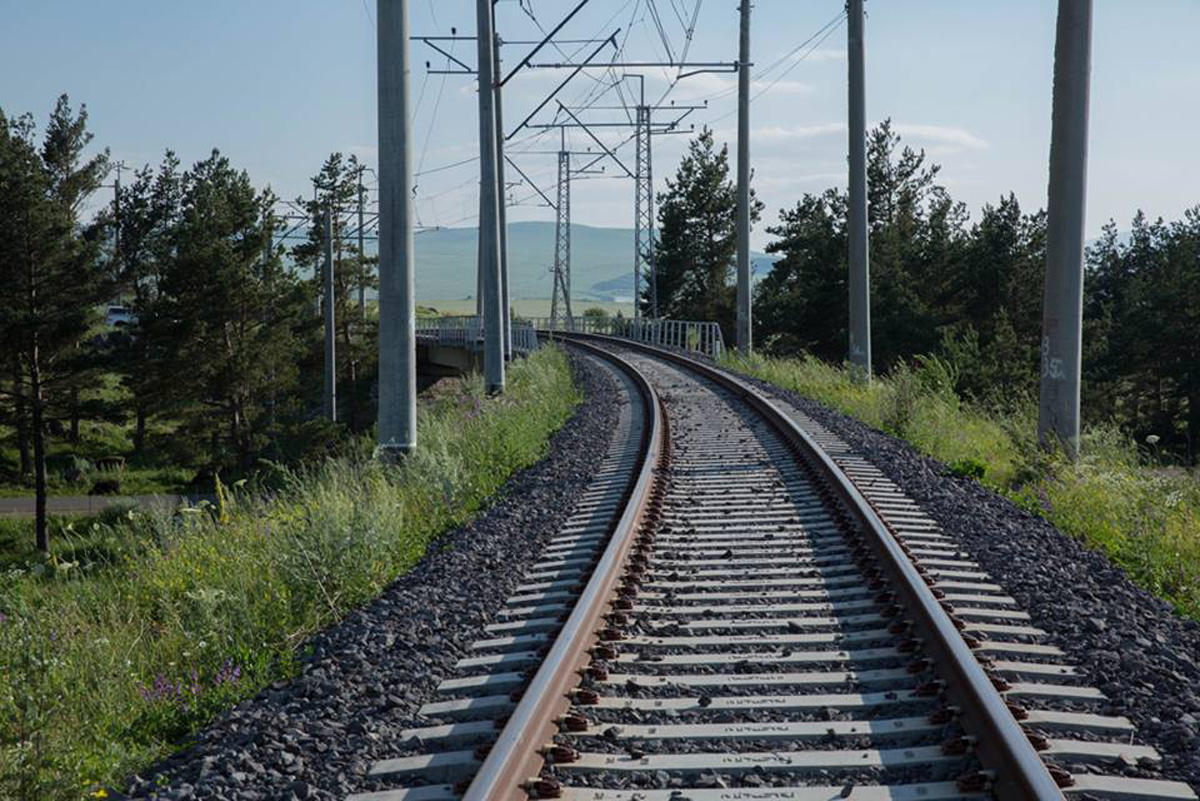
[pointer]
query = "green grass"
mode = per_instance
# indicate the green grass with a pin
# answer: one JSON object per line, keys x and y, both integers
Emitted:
{"x": 75, "y": 538}
{"x": 134, "y": 481}
{"x": 1144, "y": 518}
{"x": 111, "y": 655}
{"x": 97, "y": 440}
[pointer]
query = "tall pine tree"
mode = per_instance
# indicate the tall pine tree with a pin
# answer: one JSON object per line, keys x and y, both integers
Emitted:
{"x": 51, "y": 276}
{"x": 697, "y": 237}
{"x": 336, "y": 188}
{"x": 226, "y": 313}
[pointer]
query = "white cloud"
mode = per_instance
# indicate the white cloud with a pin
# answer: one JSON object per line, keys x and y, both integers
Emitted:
{"x": 783, "y": 180}
{"x": 783, "y": 133}
{"x": 825, "y": 54}
{"x": 820, "y": 54}
{"x": 944, "y": 138}
{"x": 782, "y": 87}
{"x": 942, "y": 135}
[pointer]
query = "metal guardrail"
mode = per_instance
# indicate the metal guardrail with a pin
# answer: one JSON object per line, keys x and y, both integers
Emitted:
{"x": 466, "y": 332}
{"x": 524, "y": 337}
{"x": 689, "y": 335}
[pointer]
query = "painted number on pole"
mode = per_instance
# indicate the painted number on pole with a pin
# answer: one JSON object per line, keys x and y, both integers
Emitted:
{"x": 1051, "y": 366}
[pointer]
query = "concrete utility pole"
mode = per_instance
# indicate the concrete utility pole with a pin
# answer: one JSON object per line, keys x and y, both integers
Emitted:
{"x": 330, "y": 351}
{"x": 744, "y": 320}
{"x": 1062, "y": 309}
{"x": 505, "y": 308}
{"x": 489, "y": 230}
{"x": 397, "y": 311}
{"x": 860, "y": 271}
{"x": 362, "y": 254}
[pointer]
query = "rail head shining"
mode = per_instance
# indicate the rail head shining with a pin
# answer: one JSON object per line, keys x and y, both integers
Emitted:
{"x": 516, "y": 757}
{"x": 1002, "y": 745}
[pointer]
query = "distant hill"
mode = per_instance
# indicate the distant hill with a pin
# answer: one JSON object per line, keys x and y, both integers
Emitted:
{"x": 601, "y": 262}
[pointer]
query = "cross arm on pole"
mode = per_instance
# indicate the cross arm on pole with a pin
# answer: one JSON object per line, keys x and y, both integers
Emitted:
{"x": 670, "y": 107}
{"x": 610, "y": 40}
{"x": 595, "y": 139}
{"x": 513, "y": 164}
{"x": 542, "y": 43}
{"x": 699, "y": 66}
{"x": 686, "y": 111}
{"x": 556, "y": 152}
{"x": 721, "y": 68}
{"x": 429, "y": 40}
{"x": 665, "y": 126}
{"x": 624, "y": 142}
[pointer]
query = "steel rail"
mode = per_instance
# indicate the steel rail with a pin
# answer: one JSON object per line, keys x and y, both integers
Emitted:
{"x": 1003, "y": 747}
{"x": 516, "y": 757}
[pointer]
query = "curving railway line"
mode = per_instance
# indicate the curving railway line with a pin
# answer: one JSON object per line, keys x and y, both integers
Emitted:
{"x": 742, "y": 608}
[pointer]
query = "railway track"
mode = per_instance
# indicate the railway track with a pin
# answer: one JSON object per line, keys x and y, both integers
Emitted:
{"x": 741, "y": 608}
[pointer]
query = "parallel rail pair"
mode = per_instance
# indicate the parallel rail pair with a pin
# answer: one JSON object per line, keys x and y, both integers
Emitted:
{"x": 863, "y": 563}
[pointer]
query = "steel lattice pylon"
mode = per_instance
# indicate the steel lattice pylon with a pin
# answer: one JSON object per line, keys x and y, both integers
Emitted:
{"x": 643, "y": 216}
{"x": 562, "y": 244}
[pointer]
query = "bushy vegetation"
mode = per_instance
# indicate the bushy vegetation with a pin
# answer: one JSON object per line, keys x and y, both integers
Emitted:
{"x": 200, "y": 365}
{"x": 697, "y": 238}
{"x": 1116, "y": 498}
{"x": 942, "y": 282}
{"x": 139, "y": 627}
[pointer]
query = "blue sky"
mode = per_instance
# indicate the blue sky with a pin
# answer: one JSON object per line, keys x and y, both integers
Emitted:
{"x": 278, "y": 85}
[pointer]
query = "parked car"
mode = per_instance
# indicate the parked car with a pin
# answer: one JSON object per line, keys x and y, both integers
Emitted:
{"x": 118, "y": 316}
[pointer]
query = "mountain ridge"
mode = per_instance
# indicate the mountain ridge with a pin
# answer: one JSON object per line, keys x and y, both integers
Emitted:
{"x": 601, "y": 262}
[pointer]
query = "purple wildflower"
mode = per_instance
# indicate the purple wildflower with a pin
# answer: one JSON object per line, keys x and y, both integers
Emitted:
{"x": 229, "y": 673}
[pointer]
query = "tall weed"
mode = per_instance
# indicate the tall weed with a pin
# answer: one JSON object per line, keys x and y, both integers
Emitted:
{"x": 1145, "y": 518}
{"x": 104, "y": 665}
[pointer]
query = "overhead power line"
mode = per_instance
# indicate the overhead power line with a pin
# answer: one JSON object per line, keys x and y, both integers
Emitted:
{"x": 828, "y": 30}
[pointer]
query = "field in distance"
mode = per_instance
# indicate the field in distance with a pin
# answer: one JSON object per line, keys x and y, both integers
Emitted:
{"x": 528, "y": 307}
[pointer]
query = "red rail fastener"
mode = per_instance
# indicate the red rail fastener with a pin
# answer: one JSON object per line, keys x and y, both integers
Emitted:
{"x": 604, "y": 652}
{"x": 957, "y": 746}
{"x": 573, "y": 723}
{"x": 1038, "y": 741}
{"x": 1062, "y": 777}
{"x": 560, "y": 753}
{"x": 543, "y": 788}
{"x": 585, "y": 697}
{"x": 944, "y": 715}
{"x": 977, "y": 782}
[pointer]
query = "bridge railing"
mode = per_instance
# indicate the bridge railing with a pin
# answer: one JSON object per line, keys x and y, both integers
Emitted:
{"x": 466, "y": 331}
{"x": 692, "y": 335}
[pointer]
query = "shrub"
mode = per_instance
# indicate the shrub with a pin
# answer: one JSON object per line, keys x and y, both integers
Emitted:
{"x": 109, "y": 485}
{"x": 968, "y": 468}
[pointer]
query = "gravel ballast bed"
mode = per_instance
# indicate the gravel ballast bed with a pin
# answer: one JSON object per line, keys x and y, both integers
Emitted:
{"x": 314, "y": 736}
{"x": 1125, "y": 641}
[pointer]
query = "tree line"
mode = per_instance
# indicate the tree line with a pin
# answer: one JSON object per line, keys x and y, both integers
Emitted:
{"x": 969, "y": 291}
{"x": 214, "y": 368}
